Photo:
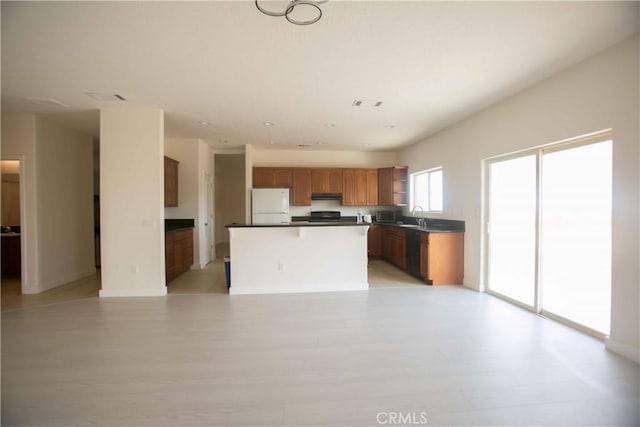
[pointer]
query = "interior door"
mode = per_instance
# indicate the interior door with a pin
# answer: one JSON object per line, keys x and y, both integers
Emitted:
{"x": 208, "y": 225}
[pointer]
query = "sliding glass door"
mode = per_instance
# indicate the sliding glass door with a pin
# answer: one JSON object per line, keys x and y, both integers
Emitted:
{"x": 512, "y": 228}
{"x": 549, "y": 231}
{"x": 575, "y": 243}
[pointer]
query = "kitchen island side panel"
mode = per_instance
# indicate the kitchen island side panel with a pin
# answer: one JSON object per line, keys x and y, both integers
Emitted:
{"x": 298, "y": 259}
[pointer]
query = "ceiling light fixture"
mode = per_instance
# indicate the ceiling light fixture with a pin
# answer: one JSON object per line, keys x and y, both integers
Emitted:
{"x": 305, "y": 5}
{"x": 203, "y": 123}
{"x": 329, "y": 125}
{"x": 268, "y": 124}
{"x": 390, "y": 126}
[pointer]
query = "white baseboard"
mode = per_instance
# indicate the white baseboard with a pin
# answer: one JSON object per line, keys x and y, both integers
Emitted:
{"x": 64, "y": 280}
{"x": 472, "y": 286}
{"x": 143, "y": 292}
{"x": 624, "y": 350}
{"x": 328, "y": 287}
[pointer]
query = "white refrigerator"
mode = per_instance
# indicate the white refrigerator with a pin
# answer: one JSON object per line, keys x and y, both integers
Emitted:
{"x": 270, "y": 206}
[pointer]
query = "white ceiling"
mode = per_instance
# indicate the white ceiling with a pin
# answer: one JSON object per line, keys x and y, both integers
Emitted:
{"x": 431, "y": 63}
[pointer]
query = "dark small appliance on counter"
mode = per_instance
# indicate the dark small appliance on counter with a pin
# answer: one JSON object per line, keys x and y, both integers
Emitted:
{"x": 386, "y": 216}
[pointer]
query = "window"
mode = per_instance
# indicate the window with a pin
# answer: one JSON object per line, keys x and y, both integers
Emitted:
{"x": 426, "y": 190}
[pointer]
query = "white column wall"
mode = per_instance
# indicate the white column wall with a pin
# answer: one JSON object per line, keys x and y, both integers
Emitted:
{"x": 132, "y": 200}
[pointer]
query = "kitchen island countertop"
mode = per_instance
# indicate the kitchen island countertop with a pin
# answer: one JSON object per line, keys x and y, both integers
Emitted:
{"x": 301, "y": 224}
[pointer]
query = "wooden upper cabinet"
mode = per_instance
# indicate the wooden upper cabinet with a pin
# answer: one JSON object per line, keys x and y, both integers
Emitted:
{"x": 301, "y": 187}
{"x": 354, "y": 187}
{"x": 360, "y": 187}
{"x": 372, "y": 187}
{"x": 392, "y": 186}
{"x": 326, "y": 180}
{"x": 272, "y": 177}
{"x": 170, "y": 182}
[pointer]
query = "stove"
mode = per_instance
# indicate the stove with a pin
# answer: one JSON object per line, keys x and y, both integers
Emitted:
{"x": 324, "y": 216}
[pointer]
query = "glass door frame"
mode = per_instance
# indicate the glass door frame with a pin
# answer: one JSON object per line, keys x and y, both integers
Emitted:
{"x": 539, "y": 152}
{"x": 486, "y": 227}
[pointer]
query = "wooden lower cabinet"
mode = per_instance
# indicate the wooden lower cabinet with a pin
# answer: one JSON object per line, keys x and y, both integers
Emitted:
{"x": 373, "y": 241}
{"x": 11, "y": 257}
{"x": 442, "y": 258}
{"x": 394, "y": 246}
{"x": 178, "y": 253}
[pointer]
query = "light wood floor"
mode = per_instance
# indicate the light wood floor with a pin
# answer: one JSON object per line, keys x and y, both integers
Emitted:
{"x": 200, "y": 357}
{"x": 209, "y": 280}
{"x": 341, "y": 358}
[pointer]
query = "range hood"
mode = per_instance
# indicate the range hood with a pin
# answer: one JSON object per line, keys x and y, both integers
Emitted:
{"x": 326, "y": 196}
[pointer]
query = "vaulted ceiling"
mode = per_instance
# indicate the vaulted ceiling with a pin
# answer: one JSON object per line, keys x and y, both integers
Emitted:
{"x": 431, "y": 64}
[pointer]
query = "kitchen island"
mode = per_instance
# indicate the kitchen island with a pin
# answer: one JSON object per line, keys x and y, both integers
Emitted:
{"x": 298, "y": 257}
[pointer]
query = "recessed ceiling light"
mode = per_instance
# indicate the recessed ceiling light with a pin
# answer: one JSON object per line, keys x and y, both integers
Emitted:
{"x": 268, "y": 124}
{"x": 105, "y": 96}
{"x": 366, "y": 103}
{"x": 203, "y": 123}
{"x": 319, "y": 143}
{"x": 390, "y": 126}
{"x": 330, "y": 125}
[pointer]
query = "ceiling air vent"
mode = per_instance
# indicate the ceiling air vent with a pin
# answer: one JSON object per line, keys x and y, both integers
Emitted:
{"x": 47, "y": 102}
{"x": 366, "y": 103}
{"x": 105, "y": 96}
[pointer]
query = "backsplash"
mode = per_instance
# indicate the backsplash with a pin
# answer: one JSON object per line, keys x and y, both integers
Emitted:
{"x": 332, "y": 205}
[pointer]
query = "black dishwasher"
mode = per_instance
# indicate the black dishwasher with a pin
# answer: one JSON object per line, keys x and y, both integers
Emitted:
{"x": 413, "y": 253}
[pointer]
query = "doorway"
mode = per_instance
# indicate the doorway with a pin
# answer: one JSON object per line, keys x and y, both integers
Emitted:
{"x": 11, "y": 222}
{"x": 548, "y": 231}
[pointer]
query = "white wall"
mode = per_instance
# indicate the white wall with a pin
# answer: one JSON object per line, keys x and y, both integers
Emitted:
{"x": 600, "y": 93}
{"x": 19, "y": 142}
{"x": 57, "y": 196}
{"x": 328, "y": 158}
{"x": 64, "y": 184}
{"x": 132, "y": 200}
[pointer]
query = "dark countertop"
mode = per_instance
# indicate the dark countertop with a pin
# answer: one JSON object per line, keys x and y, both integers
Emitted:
{"x": 299, "y": 224}
{"x": 177, "y": 224}
{"x": 432, "y": 225}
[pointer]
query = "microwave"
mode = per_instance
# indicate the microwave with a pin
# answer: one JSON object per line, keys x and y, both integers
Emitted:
{"x": 386, "y": 216}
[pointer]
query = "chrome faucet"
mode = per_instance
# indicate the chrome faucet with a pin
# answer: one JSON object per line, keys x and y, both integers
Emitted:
{"x": 421, "y": 219}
